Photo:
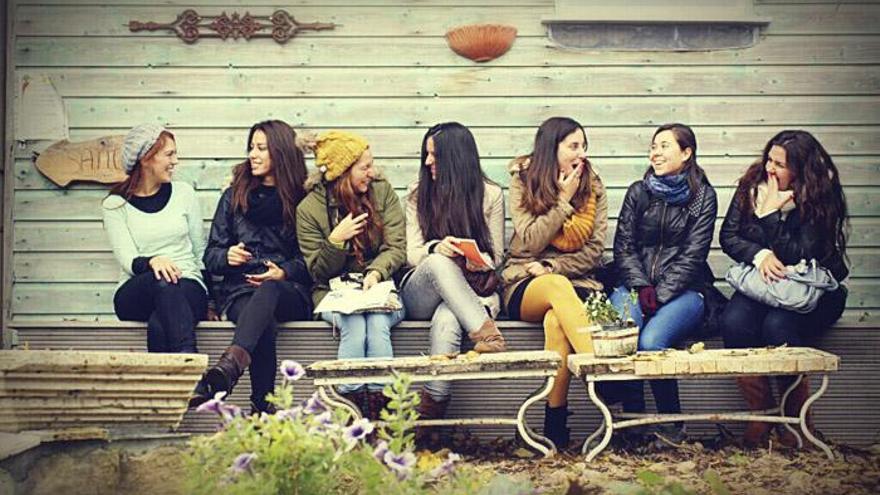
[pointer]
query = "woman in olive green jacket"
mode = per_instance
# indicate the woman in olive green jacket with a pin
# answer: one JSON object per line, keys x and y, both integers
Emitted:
{"x": 351, "y": 221}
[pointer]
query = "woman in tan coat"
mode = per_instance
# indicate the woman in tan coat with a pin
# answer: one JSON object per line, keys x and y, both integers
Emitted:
{"x": 560, "y": 213}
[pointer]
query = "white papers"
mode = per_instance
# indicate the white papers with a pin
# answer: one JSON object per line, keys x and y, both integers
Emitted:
{"x": 346, "y": 298}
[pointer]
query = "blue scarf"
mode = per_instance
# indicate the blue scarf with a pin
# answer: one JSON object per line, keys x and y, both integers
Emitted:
{"x": 674, "y": 189}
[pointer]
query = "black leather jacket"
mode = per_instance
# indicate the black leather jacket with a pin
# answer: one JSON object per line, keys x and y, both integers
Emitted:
{"x": 791, "y": 240}
{"x": 265, "y": 242}
{"x": 664, "y": 245}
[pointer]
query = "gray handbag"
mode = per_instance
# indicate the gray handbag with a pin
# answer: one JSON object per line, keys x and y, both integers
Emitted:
{"x": 799, "y": 291}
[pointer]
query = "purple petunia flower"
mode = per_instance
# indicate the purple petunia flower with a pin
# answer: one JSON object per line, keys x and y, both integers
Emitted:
{"x": 323, "y": 423}
{"x": 291, "y": 370}
{"x": 446, "y": 467}
{"x": 380, "y": 450}
{"x": 291, "y": 414}
{"x": 401, "y": 464}
{"x": 358, "y": 431}
{"x": 230, "y": 412}
{"x": 214, "y": 405}
{"x": 313, "y": 405}
{"x": 242, "y": 463}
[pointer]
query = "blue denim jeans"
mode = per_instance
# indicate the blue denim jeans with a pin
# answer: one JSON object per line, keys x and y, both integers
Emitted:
{"x": 672, "y": 324}
{"x": 363, "y": 335}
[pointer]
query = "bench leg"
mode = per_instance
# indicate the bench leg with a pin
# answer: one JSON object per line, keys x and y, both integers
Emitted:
{"x": 339, "y": 401}
{"x": 533, "y": 439}
{"x": 807, "y": 433}
{"x": 782, "y": 400}
{"x": 607, "y": 423}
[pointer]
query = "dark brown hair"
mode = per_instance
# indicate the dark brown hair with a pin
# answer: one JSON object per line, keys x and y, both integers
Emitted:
{"x": 288, "y": 168}
{"x": 452, "y": 204}
{"x": 818, "y": 194}
{"x": 685, "y": 138}
{"x": 540, "y": 179}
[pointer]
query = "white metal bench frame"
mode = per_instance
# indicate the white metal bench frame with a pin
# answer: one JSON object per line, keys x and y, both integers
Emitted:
{"x": 629, "y": 420}
{"x": 326, "y": 391}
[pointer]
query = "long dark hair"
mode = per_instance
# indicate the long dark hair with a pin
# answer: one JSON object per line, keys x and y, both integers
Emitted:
{"x": 288, "y": 167}
{"x": 540, "y": 179}
{"x": 127, "y": 187}
{"x": 818, "y": 194}
{"x": 357, "y": 203}
{"x": 685, "y": 138}
{"x": 452, "y": 204}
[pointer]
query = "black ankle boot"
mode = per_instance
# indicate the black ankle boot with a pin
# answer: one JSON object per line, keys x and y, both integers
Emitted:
{"x": 555, "y": 425}
{"x": 200, "y": 394}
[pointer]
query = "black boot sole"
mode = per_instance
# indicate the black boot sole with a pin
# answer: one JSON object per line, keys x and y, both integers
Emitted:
{"x": 218, "y": 381}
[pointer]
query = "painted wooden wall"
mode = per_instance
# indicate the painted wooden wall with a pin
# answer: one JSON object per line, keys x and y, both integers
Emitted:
{"x": 387, "y": 73}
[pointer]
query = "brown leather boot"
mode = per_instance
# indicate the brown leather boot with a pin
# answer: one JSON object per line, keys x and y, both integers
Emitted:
{"x": 376, "y": 402}
{"x": 429, "y": 408}
{"x": 758, "y": 396}
{"x": 793, "y": 405}
{"x": 488, "y": 338}
{"x": 223, "y": 376}
{"x": 358, "y": 398}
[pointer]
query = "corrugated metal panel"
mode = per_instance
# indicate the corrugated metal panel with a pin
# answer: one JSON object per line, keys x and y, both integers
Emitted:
{"x": 847, "y": 412}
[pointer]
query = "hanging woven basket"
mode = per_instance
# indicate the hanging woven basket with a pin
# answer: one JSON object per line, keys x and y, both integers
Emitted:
{"x": 481, "y": 42}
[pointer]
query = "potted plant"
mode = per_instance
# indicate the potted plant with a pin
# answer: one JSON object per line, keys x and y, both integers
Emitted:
{"x": 614, "y": 333}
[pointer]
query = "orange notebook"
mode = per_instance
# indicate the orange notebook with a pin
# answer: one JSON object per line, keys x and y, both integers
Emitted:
{"x": 473, "y": 254}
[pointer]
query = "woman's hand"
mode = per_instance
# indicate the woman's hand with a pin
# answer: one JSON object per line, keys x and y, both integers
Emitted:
{"x": 212, "y": 314}
{"x": 237, "y": 255}
{"x": 274, "y": 272}
{"x": 771, "y": 268}
{"x": 371, "y": 278}
{"x": 447, "y": 247}
{"x": 348, "y": 228}
{"x": 775, "y": 200}
{"x": 568, "y": 185}
{"x": 165, "y": 269}
{"x": 536, "y": 269}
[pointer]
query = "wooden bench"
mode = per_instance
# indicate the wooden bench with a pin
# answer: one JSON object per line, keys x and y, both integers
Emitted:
{"x": 470, "y": 366}
{"x": 685, "y": 365}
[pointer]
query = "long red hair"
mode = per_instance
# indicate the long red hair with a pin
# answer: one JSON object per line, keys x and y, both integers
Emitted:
{"x": 127, "y": 187}
{"x": 357, "y": 203}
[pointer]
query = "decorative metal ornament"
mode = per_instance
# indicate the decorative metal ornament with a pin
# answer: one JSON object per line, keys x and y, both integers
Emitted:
{"x": 189, "y": 23}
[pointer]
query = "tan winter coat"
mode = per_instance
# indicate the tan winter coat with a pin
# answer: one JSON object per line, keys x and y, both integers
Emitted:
{"x": 532, "y": 235}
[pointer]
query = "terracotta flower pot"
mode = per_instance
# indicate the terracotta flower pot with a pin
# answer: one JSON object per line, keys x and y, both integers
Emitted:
{"x": 481, "y": 42}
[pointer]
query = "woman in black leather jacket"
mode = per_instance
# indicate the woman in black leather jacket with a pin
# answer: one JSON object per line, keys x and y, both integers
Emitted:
{"x": 253, "y": 246}
{"x": 663, "y": 236}
{"x": 789, "y": 206}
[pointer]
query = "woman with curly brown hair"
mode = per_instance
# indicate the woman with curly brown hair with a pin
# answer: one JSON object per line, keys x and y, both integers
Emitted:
{"x": 789, "y": 206}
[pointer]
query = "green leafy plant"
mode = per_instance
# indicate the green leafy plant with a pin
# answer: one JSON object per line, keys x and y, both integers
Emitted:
{"x": 602, "y": 312}
{"x": 307, "y": 448}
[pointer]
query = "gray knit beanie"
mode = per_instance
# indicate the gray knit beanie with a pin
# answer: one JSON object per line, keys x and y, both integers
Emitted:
{"x": 137, "y": 142}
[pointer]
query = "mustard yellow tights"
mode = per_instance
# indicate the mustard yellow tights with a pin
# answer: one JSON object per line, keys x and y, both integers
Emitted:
{"x": 552, "y": 299}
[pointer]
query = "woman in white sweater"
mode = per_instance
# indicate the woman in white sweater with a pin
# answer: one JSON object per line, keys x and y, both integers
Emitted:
{"x": 155, "y": 228}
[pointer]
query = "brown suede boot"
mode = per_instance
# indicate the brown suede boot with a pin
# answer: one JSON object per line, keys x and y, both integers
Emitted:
{"x": 429, "y": 408}
{"x": 488, "y": 338}
{"x": 223, "y": 376}
{"x": 376, "y": 402}
{"x": 793, "y": 405}
{"x": 758, "y": 396}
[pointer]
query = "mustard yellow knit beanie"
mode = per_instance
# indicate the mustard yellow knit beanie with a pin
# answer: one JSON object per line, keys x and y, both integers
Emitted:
{"x": 335, "y": 151}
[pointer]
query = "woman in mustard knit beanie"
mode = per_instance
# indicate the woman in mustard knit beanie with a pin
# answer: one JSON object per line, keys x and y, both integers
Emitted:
{"x": 351, "y": 221}
{"x": 560, "y": 212}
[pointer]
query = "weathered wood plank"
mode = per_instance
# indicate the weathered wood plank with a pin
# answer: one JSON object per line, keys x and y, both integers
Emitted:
{"x": 415, "y": 112}
{"x": 74, "y": 236}
{"x": 615, "y": 171}
{"x": 723, "y": 144}
{"x": 420, "y": 52}
{"x": 356, "y": 20}
{"x": 465, "y": 81}
{"x": 74, "y": 266}
{"x": 86, "y": 204}
{"x": 54, "y": 300}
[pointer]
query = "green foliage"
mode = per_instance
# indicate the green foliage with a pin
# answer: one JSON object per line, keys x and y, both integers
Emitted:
{"x": 601, "y": 311}
{"x": 307, "y": 449}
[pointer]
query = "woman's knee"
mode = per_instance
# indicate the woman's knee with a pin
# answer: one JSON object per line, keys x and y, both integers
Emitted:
{"x": 438, "y": 265}
{"x": 554, "y": 336}
{"x": 653, "y": 340}
{"x": 555, "y": 283}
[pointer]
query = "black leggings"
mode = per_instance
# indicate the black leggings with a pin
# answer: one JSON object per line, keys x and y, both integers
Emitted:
{"x": 171, "y": 311}
{"x": 749, "y": 323}
{"x": 255, "y": 315}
